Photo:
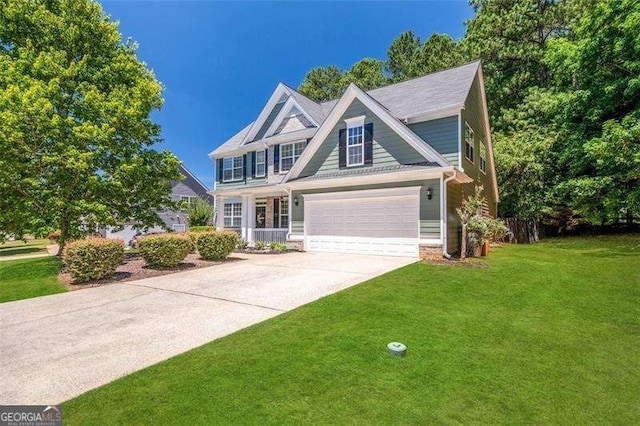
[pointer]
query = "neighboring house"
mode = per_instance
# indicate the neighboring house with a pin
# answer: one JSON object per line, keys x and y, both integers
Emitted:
{"x": 176, "y": 220}
{"x": 378, "y": 172}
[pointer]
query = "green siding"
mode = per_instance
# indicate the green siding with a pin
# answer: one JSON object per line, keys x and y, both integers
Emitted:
{"x": 473, "y": 114}
{"x": 246, "y": 183}
{"x": 388, "y": 147}
{"x": 429, "y": 208}
{"x": 442, "y": 135}
{"x": 454, "y": 198}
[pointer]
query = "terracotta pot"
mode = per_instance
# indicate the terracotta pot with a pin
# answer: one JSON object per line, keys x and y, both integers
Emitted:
{"x": 485, "y": 249}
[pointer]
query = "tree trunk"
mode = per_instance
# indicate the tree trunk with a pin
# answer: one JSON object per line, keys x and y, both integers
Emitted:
{"x": 64, "y": 233}
{"x": 463, "y": 244}
{"x": 524, "y": 231}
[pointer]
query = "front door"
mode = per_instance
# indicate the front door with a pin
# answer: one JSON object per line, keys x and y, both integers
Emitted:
{"x": 261, "y": 214}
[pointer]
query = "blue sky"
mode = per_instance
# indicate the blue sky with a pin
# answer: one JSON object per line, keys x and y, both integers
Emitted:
{"x": 220, "y": 61}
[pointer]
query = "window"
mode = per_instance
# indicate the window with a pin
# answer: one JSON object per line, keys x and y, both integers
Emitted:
{"x": 355, "y": 146}
{"x": 289, "y": 154}
{"x": 186, "y": 199}
{"x": 261, "y": 162}
{"x": 468, "y": 142}
{"x": 178, "y": 227}
{"x": 483, "y": 158}
{"x": 232, "y": 169}
{"x": 232, "y": 215}
{"x": 284, "y": 213}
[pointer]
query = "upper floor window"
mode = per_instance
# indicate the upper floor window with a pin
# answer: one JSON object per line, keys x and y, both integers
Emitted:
{"x": 483, "y": 158}
{"x": 289, "y": 154}
{"x": 261, "y": 162}
{"x": 468, "y": 142}
{"x": 232, "y": 168}
{"x": 355, "y": 146}
{"x": 186, "y": 199}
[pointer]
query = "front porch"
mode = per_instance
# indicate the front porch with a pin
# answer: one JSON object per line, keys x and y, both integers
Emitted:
{"x": 256, "y": 217}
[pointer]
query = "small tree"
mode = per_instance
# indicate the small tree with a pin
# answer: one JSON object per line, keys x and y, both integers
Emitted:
{"x": 200, "y": 212}
{"x": 76, "y": 134}
{"x": 469, "y": 209}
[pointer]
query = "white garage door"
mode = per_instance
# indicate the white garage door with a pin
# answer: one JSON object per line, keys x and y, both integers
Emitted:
{"x": 381, "y": 222}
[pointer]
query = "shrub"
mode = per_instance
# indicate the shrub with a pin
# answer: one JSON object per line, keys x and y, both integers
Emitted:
{"x": 259, "y": 245}
{"x": 164, "y": 250}
{"x": 243, "y": 244}
{"x": 202, "y": 228}
{"x": 278, "y": 247}
{"x": 217, "y": 245}
{"x": 93, "y": 258}
{"x": 193, "y": 237}
{"x": 487, "y": 229}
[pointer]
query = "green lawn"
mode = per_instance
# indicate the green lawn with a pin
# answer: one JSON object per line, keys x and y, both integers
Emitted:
{"x": 549, "y": 333}
{"x": 23, "y": 279}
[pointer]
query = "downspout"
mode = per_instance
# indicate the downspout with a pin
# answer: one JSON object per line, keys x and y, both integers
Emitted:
{"x": 443, "y": 212}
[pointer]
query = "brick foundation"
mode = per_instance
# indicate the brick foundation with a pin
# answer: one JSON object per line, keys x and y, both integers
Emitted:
{"x": 430, "y": 251}
{"x": 295, "y": 245}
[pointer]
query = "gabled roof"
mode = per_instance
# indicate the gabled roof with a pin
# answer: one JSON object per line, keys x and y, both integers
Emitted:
{"x": 354, "y": 92}
{"x": 433, "y": 92}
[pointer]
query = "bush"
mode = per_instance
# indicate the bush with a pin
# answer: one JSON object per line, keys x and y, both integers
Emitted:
{"x": 217, "y": 245}
{"x": 93, "y": 258}
{"x": 202, "y": 228}
{"x": 259, "y": 245}
{"x": 487, "y": 229}
{"x": 164, "y": 250}
{"x": 193, "y": 237}
{"x": 278, "y": 247}
{"x": 243, "y": 244}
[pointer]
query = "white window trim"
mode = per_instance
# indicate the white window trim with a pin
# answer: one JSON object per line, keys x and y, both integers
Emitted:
{"x": 293, "y": 152}
{"x": 358, "y": 122}
{"x": 280, "y": 213}
{"x": 263, "y": 163}
{"x": 482, "y": 159}
{"x": 235, "y": 214}
{"x": 233, "y": 168}
{"x": 186, "y": 198}
{"x": 466, "y": 142}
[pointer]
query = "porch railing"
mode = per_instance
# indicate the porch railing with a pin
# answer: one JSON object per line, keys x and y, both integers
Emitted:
{"x": 270, "y": 235}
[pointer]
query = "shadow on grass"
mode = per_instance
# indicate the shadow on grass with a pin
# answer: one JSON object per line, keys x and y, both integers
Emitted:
{"x": 20, "y": 250}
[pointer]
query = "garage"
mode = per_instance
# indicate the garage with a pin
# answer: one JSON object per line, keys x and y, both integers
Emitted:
{"x": 377, "y": 222}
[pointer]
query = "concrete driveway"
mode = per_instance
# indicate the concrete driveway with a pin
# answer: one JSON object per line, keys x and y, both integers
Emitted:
{"x": 56, "y": 347}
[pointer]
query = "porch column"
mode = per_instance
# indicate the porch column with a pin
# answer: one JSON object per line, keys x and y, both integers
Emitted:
{"x": 248, "y": 217}
{"x": 251, "y": 218}
{"x": 219, "y": 212}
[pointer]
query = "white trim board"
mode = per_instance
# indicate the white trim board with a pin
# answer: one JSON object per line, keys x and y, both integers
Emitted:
{"x": 354, "y": 92}
{"x": 284, "y": 113}
{"x": 404, "y": 191}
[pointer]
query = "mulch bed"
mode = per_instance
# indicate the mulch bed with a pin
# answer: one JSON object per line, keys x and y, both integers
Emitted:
{"x": 133, "y": 268}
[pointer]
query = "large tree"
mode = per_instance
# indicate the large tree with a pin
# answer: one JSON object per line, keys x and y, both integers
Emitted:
{"x": 75, "y": 129}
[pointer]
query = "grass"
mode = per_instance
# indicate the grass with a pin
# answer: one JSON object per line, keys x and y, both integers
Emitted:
{"x": 19, "y": 247}
{"x": 23, "y": 279}
{"x": 548, "y": 333}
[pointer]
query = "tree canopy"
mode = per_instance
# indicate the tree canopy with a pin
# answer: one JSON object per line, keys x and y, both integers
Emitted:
{"x": 563, "y": 83}
{"x": 75, "y": 128}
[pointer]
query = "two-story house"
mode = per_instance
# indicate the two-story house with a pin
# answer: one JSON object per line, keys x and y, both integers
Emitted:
{"x": 377, "y": 172}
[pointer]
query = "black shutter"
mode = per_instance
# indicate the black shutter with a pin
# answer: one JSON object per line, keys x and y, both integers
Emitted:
{"x": 266, "y": 162}
{"x": 219, "y": 169}
{"x": 244, "y": 166}
{"x": 368, "y": 143}
{"x": 276, "y": 159}
{"x": 342, "y": 148}
{"x": 276, "y": 212}
{"x": 253, "y": 164}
